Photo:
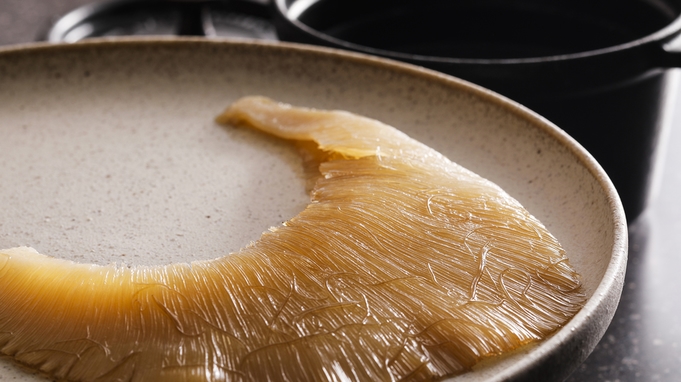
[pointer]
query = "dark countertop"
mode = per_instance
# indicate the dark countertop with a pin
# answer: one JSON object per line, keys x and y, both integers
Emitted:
{"x": 643, "y": 342}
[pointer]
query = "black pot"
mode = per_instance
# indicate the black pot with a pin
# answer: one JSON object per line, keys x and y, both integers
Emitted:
{"x": 595, "y": 68}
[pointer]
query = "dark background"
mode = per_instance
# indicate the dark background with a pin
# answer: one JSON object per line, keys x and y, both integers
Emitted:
{"x": 643, "y": 342}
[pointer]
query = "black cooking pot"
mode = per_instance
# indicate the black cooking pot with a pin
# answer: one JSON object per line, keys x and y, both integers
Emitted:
{"x": 596, "y": 68}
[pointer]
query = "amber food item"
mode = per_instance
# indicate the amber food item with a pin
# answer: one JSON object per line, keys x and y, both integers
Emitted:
{"x": 403, "y": 266}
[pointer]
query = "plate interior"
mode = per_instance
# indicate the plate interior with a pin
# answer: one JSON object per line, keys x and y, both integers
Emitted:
{"x": 110, "y": 152}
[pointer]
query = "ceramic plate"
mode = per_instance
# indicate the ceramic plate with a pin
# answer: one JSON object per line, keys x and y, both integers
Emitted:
{"x": 109, "y": 153}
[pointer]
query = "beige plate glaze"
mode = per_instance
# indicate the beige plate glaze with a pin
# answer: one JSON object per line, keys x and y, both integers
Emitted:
{"x": 109, "y": 153}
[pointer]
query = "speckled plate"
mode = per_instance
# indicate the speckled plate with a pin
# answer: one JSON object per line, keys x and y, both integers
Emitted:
{"x": 109, "y": 153}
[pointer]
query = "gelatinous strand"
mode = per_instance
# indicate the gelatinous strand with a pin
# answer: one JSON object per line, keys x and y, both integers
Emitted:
{"x": 404, "y": 265}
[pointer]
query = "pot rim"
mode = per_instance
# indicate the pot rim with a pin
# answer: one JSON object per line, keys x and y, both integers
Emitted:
{"x": 662, "y": 35}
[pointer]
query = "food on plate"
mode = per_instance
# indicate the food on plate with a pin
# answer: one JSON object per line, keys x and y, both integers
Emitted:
{"x": 403, "y": 266}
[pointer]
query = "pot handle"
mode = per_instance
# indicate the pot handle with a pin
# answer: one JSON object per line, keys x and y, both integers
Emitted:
{"x": 671, "y": 53}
